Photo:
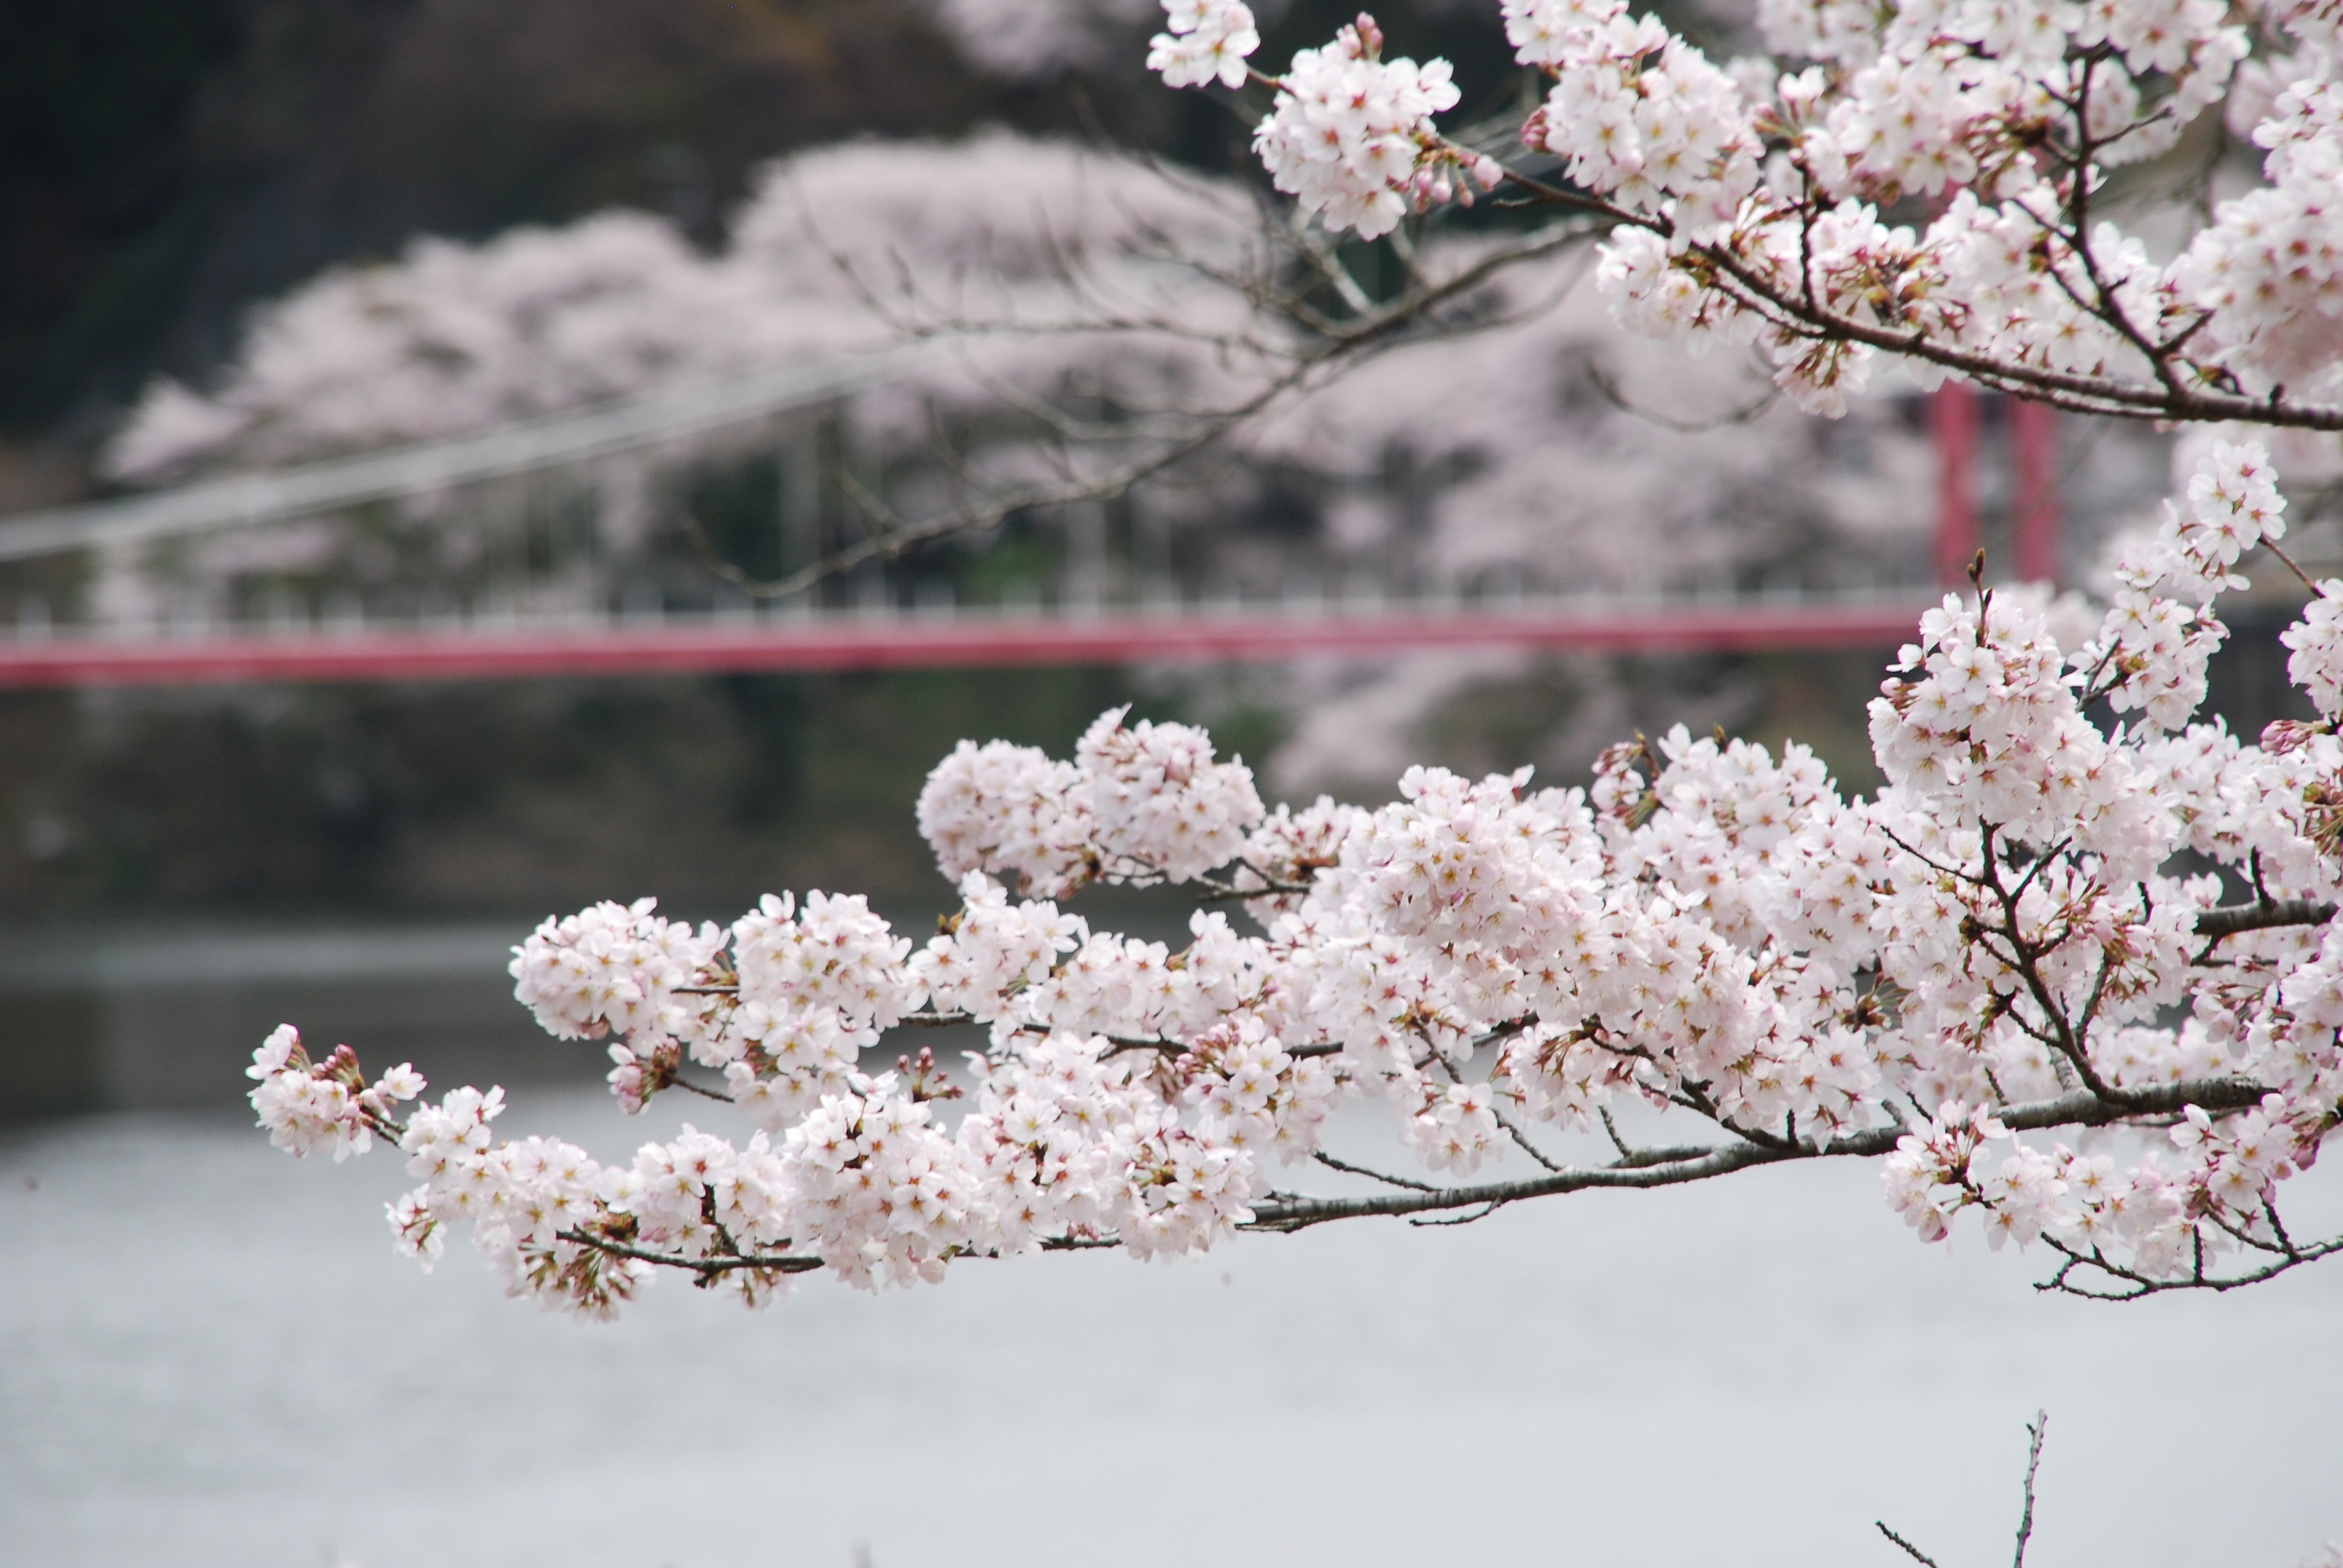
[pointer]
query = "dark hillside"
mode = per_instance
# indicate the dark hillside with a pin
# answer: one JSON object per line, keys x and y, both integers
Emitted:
{"x": 165, "y": 163}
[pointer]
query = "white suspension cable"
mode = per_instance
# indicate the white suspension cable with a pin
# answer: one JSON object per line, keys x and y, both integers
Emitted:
{"x": 523, "y": 446}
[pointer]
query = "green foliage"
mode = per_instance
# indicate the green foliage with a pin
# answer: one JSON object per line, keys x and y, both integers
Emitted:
{"x": 499, "y": 798}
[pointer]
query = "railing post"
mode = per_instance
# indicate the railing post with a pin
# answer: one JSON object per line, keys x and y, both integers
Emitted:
{"x": 2033, "y": 523}
{"x": 1953, "y": 419}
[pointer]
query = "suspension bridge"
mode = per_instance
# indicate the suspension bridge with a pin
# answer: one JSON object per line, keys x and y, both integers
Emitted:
{"x": 344, "y": 638}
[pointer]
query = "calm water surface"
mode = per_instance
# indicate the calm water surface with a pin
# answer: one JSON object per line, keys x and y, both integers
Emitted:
{"x": 213, "y": 1358}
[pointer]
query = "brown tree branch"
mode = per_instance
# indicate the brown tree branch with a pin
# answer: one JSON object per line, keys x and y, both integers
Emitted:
{"x": 1674, "y": 1167}
{"x": 2232, "y": 918}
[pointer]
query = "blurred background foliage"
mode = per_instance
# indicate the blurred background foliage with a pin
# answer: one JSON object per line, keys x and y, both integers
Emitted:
{"x": 167, "y": 164}
{"x": 501, "y": 797}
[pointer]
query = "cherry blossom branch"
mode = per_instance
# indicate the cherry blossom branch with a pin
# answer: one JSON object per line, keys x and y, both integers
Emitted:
{"x": 1631, "y": 1158}
{"x": 2025, "y": 959}
{"x": 1521, "y": 1140}
{"x": 2063, "y": 389}
{"x": 1300, "y": 1213}
{"x": 2137, "y": 1284}
{"x": 1800, "y": 311}
{"x": 1674, "y": 1167}
{"x": 2288, "y": 562}
{"x": 706, "y": 1266}
{"x": 1171, "y": 1148}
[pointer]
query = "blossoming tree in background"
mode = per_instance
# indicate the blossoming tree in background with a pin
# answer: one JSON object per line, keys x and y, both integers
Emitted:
{"x": 1062, "y": 276}
{"x": 1086, "y": 313}
{"x": 2073, "y": 977}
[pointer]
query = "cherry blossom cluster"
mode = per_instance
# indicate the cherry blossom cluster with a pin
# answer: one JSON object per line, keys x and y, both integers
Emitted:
{"x": 1159, "y": 801}
{"x": 1070, "y": 1142}
{"x": 1636, "y": 112}
{"x": 2268, "y": 273}
{"x": 1011, "y": 807}
{"x": 1209, "y": 41}
{"x": 2159, "y": 632}
{"x": 2316, "y": 662}
{"x": 1351, "y": 135}
{"x": 1749, "y": 199}
{"x": 1142, "y": 803}
{"x": 308, "y": 1106}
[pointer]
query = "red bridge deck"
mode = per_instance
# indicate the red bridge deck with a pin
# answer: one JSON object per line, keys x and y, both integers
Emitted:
{"x": 908, "y": 642}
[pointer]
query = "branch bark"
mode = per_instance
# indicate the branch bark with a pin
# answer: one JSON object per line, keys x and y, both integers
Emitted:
{"x": 1674, "y": 1167}
{"x": 2263, "y": 916}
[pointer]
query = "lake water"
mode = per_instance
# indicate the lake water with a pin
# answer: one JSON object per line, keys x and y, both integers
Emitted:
{"x": 212, "y": 1357}
{"x": 145, "y": 1017}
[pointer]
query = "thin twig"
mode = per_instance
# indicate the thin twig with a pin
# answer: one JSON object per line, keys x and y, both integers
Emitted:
{"x": 2034, "y": 1432}
{"x": 1917, "y": 1555}
{"x": 1521, "y": 1139}
{"x": 1756, "y": 409}
{"x": 1626, "y": 1155}
{"x": 679, "y": 1082}
{"x": 1332, "y": 1163}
